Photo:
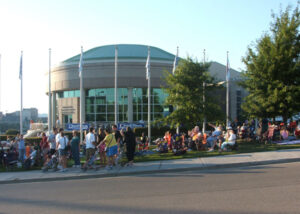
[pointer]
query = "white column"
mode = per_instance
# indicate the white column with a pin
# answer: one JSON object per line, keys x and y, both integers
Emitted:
{"x": 130, "y": 105}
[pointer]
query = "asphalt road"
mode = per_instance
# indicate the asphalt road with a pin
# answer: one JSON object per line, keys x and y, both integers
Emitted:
{"x": 263, "y": 189}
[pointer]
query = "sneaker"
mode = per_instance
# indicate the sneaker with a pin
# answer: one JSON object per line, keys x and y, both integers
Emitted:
{"x": 77, "y": 166}
{"x": 210, "y": 150}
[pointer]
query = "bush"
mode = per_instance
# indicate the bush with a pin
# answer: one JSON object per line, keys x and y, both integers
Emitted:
{"x": 4, "y": 137}
{"x": 12, "y": 132}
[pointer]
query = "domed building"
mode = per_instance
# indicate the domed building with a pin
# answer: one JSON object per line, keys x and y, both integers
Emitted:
{"x": 99, "y": 79}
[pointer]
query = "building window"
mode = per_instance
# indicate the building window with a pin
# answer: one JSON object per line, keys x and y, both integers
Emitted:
{"x": 101, "y": 103}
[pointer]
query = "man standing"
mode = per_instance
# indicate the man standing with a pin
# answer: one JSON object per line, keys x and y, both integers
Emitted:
{"x": 21, "y": 149}
{"x": 52, "y": 141}
{"x": 90, "y": 142}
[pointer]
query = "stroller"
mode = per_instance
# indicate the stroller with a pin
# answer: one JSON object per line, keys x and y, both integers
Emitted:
{"x": 90, "y": 163}
{"x": 52, "y": 163}
{"x": 10, "y": 159}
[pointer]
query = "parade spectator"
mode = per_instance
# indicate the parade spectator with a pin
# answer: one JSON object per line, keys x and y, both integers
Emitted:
{"x": 21, "y": 148}
{"x": 90, "y": 142}
{"x": 210, "y": 141}
{"x": 101, "y": 146}
{"x": 217, "y": 135}
{"x": 61, "y": 146}
{"x": 129, "y": 140}
{"x": 230, "y": 139}
{"x": 75, "y": 148}
{"x": 284, "y": 133}
{"x": 44, "y": 146}
{"x": 111, "y": 147}
{"x": 297, "y": 132}
{"x": 143, "y": 139}
{"x": 52, "y": 141}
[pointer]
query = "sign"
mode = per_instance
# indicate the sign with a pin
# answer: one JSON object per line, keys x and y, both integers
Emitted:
{"x": 76, "y": 126}
{"x": 131, "y": 125}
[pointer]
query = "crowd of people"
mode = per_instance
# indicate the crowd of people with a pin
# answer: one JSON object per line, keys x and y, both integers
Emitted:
{"x": 195, "y": 140}
{"x": 108, "y": 145}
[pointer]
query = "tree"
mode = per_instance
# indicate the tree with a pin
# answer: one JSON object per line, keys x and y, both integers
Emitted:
{"x": 272, "y": 74}
{"x": 185, "y": 90}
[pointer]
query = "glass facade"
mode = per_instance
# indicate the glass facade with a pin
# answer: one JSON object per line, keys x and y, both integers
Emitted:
{"x": 67, "y": 94}
{"x": 100, "y": 104}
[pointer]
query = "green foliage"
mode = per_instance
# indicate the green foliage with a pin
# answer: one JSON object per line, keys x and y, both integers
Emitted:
{"x": 185, "y": 89}
{"x": 11, "y": 132}
{"x": 273, "y": 72}
{"x": 4, "y": 137}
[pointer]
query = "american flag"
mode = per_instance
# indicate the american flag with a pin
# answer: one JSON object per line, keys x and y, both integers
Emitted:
{"x": 148, "y": 65}
{"x": 175, "y": 62}
{"x": 21, "y": 66}
{"x": 80, "y": 62}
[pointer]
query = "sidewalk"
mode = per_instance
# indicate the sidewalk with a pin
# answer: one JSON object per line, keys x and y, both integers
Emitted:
{"x": 227, "y": 161}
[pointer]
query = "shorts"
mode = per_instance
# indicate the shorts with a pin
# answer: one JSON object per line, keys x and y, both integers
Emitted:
{"x": 89, "y": 153}
{"x": 111, "y": 151}
{"x": 62, "y": 152}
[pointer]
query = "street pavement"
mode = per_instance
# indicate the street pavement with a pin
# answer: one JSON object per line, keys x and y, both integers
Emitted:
{"x": 264, "y": 189}
{"x": 226, "y": 161}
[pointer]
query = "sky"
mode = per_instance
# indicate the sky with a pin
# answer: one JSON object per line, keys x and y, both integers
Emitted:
{"x": 34, "y": 26}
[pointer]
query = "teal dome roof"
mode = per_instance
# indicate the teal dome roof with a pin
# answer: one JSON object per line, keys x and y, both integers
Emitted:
{"x": 125, "y": 51}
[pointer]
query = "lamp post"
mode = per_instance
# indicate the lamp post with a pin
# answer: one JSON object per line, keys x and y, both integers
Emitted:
{"x": 204, "y": 86}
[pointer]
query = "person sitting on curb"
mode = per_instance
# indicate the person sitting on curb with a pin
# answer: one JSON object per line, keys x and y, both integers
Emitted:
{"x": 217, "y": 135}
{"x": 230, "y": 139}
{"x": 284, "y": 133}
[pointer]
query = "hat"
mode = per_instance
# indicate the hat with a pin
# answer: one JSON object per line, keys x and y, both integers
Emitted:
{"x": 229, "y": 128}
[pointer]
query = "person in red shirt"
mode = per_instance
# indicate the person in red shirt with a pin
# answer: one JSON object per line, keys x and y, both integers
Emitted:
{"x": 297, "y": 132}
{"x": 44, "y": 146}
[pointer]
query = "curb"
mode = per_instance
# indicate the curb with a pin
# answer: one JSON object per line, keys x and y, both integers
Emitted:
{"x": 120, "y": 174}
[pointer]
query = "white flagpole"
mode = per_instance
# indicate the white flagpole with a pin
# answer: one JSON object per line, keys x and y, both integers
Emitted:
{"x": 0, "y": 84}
{"x": 116, "y": 85}
{"x": 174, "y": 68}
{"x": 81, "y": 91}
{"x": 149, "y": 95}
{"x": 175, "y": 62}
{"x": 227, "y": 91}
{"x": 21, "y": 78}
{"x": 49, "y": 95}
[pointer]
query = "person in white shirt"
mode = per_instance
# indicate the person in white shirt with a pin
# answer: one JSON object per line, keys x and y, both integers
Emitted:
{"x": 230, "y": 138}
{"x": 90, "y": 142}
{"x": 61, "y": 145}
{"x": 52, "y": 141}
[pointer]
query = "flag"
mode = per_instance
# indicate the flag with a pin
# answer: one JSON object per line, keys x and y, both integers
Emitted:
{"x": 21, "y": 66}
{"x": 80, "y": 63}
{"x": 175, "y": 62}
{"x": 227, "y": 69}
{"x": 148, "y": 65}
